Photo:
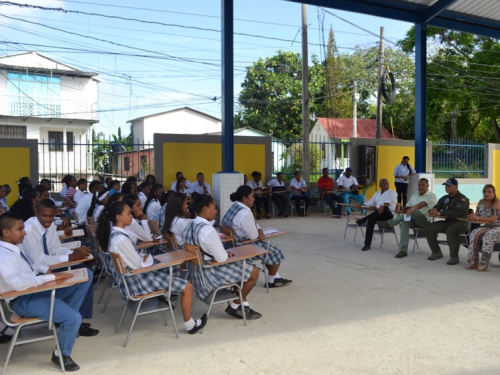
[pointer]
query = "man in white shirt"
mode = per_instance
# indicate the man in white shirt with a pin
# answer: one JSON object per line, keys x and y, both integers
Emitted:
{"x": 299, "y": 193}
{"x": 82, "y": 189}
{"x": 44, "y": 249}
{"x": 174, "y": 184}
{"x": 414, "y": 215}
{"x": 48, "y": 186}
{"x": 200, "y": 186}
{"x": 383, "y": 202}
{"x": 17, "y": 274}
{"x": 260, "y": 199}
{"x": 278, "y": 197}
{"x": 348, "y": 185}
{"x": 84, "y": 204}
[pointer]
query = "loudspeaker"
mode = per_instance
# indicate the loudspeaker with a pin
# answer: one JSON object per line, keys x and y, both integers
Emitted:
{"x": 366, "y": 164}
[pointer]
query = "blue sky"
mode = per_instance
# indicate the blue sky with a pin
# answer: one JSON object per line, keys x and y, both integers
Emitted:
{"x": 183, "y": 63}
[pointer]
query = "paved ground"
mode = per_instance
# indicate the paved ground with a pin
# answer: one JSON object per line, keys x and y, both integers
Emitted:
{"x": 347, "y": 312}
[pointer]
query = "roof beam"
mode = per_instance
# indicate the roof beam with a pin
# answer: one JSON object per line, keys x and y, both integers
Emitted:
{"x": 465, "y": 27}
{"x": 435, "y": 10}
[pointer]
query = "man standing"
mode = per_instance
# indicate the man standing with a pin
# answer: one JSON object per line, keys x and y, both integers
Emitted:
{"x": 452, "y": 206}
{"x": 200, "y": 186}
{"x": 325, "y": 190}
{"x": 350, "y": 186}
{"x": 414, "y": 215}
{"x": 382, "y": 202}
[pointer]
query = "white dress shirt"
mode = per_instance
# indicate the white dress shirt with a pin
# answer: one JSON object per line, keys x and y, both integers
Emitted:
{"x": 63, "y": 190}
{"x": 33, "y": 246}
{"x": 402, "y": 171}
{"x": 210, "y": 241}
{"x": 177, "y": 228}
{"x": 244, "y": 224}
{"x": 97, "y": 213}
{"x": 121, "y": 244}
{"x": 78, "y": 195}
{"x": 153, "y": 207}
{"x": 297, "y": 185}
{"x": 143, "y": 198}
{"x": 274, "y": 183}
{"x": 347, "y": 182}
{"x": 82, "y": 208}
{"x": 196, "y": 187}
{"x": 139, "y": 231}
{"x": 15, "y": 272}
{"x": 174, "y": 185}
{"x": 379, "y": 199}
{"x": 254, "y": 185}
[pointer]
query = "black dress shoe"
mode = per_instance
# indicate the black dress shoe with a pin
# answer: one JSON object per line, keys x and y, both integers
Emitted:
{"x": 196, "y": 327}
{"x": 360, "y": 222}
{"x": 401, "y": 254}
{"x": 69, "y": 364}
{"x": 85, "y": 330}
{"x": 365, "y": 248}
{"x": 279, "y": 282}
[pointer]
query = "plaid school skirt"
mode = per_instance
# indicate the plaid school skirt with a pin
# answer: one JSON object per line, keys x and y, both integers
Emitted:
{"x": 275, "y": 255}
{"x": 218, "y": 276}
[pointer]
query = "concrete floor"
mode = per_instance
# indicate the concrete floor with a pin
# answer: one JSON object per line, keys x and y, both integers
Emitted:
{"x": 346, "y": 312}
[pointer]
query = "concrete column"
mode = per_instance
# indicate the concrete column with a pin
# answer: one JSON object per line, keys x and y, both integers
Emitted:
{"x": 223, "y": 185}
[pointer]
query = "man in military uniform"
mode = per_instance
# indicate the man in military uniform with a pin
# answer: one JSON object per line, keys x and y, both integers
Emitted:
{"x": 452, "y": 206}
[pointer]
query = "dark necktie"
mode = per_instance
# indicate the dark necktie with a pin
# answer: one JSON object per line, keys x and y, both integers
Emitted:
{"x": 45, "y": 247}
{"x": 26, "y": 259}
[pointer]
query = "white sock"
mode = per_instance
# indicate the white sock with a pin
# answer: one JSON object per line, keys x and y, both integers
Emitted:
{"x": 278, "y": 276}
{"x": 190, "y": 324}
{"x": 270, "y": 279}
{"x": 233, "y": 305}
{"x": 246, "y": 304}
{"x": 56, "y": 353}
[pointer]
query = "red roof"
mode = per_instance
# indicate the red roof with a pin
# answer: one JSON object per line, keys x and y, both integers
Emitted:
{"x": 341, "y": 128}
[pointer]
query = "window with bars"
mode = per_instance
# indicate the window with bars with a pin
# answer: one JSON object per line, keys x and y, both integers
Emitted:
{"x": 7, "y": 131}
{"x": 56, "y": 141}
{"x": 70, "y": 140}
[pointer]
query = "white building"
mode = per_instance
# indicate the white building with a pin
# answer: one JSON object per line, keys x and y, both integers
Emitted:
{"x": 177, "y": 121}
{"x": 41, "y": 98}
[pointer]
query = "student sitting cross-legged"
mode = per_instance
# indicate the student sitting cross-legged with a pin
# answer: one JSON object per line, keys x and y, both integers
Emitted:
{"x": 114, "y": 238}
{"x": 239, "y": 217}
{"x": 16, "y": 273}
{"x": 43, "y": 249}
{"x": 200, "y": 232}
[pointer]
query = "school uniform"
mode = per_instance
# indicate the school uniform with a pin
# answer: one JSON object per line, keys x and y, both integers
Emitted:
{"x": 143, "y": 283}
{"x": 160, "y": 216}
{"x": 69, "y": 197}
{"x": 3, "y": 204}
{"x": 97, "y": 213}
{"x": 83, "y": 207}
{"x": 79, "y": 195}
{"x": 152, "y": 209}
{"x": 177, "y": 227}
{"x": 139, "y": 230}
{"x": 279, "y": 199}
{"x": 43, "y": 249}
{"x": 240, "y": 218}
{"x": 345, "y": 196}
{"x": 197, "y": 188}
{"x": 17, "y": 274}
{"x": 201, "y": 233}
{"x": 297, "y": 196}
{"x": 143, "y": 198}
{"x": 260, "y": 200}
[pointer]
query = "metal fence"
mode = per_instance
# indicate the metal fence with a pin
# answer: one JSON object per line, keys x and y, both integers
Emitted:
{"x": 97, "y": 160}
{"x": 458, "y": 158}
{"x": 288, "y": 157}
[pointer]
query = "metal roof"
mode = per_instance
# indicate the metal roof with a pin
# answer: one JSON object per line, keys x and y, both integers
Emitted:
{"x": 481, "y": 17}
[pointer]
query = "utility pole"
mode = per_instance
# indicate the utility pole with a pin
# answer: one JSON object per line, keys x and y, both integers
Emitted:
{"x": 355, "y": 111}
{"x": 380, "y": 74}
{"x": 305, "y": 98}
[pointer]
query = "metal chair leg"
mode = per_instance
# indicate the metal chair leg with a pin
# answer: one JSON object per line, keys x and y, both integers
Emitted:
{"x": 121, "y": 319}
{"x": 173, "y": 318}
{"x": 108, "y": 297}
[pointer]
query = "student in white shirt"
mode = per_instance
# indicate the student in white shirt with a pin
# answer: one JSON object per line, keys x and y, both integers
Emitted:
{"x": 260, "y": 199}
{"x": 115, "y": 239}
{"x": 200, "y": 186}
{"x": 83, "y": 205}
{"x": 299, "y": 193}
{"x": 16, "y": 274}
{"x": 144, "y": 191}
{"x": 350, "y": 188}
{"x": 48, "y": 186}
{"x": 383, "y": 202}
{"x": 138, "y": 229}
{"x": 402, "y": 173}
{"x": 174, "y": 184}
{"x": 82, "y": 185}
{"x": 181, "y": 187}
{"x": 152, "y": 205}
{"x": 99, "y": 200}
{"x": 278, "y": 198}
{"x": 200, "y": 232}
{"x": 176, "y": 217}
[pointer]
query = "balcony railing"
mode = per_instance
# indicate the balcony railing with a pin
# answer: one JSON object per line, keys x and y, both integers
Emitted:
{"x": 13, "y": 105}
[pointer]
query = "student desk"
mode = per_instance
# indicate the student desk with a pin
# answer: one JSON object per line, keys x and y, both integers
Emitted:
{"x": 71, "y": 263}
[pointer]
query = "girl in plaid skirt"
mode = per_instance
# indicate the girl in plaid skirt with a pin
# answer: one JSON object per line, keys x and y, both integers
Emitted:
{"x": 116, "y": 240}
{"x": 239, "y": 217}
{"x": 200, "y": 232}
{"x": 176, "y": 217}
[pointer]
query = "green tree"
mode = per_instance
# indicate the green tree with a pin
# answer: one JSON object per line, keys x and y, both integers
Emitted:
{"x": 271, "y": 95}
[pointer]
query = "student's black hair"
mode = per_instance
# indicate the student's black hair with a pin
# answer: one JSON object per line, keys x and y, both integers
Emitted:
{"x": 40, "y": 188}
{"x": 95, "y": 202}
{"x": 108, "y": 180}
{"x": 152, "y": 196}
{"x": 256, "y": 174}
{"x": 94, "y": 184}
{"x": 112, "y": 183}
{"x": 179, "y": 180}
{"x": 7, "y": 187}
{"x": 152, "y": 176}
{"x": 67, "y": 179}
{"x": 242, "y": 192}
{"x": 46, "y": 203}
{"x": 23, "y": 207}
{"x": 81, "y": 181}
{"x": 8, "y": 220}
{"x": 30, "y": 193}
{"x": 104, "y": 227}
{"x": 408, "y": 164}
{"x": 44, "y": 180}
{"x": 165, "y": 196}
{"x": 24, "y": 187}
{"x": 296, "y": 173}
{"x": 277, "y": 174}
{"x": 144, "y": 185}
{"x": 127, "y": 188}
{"x": 114, "y": 198}
{"x": 24, "y": 181}
{"x": 200, "y": 202}
{"x": 174, "y": 209}
{"x": 324, "y": 169}
{"x": 178, "y": 173}
{"x": 130, "y": 199}
{"x": 199, "y": 174}
{"x": 131, "y": 179}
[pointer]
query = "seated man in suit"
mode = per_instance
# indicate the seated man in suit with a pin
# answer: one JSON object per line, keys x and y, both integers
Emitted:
{"x": 383, "y": 202}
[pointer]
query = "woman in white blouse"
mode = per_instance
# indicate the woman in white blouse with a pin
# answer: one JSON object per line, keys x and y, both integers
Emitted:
{"x": 99, "y": 201}
{"x": 116, "y": 239}
{"x": 152, "y": 205}
{"x": 182, "y": 188}
{"x": 176, "y": 217}
{"x": 138, "y": 229}
{"x": 402, "y": 174}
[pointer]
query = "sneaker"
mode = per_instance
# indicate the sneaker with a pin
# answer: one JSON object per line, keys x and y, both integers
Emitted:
{"x": 279, "y": 282}
{"x": 196, "y": 328}
{"x": 452, "y": 261}
{"x": 250, "y": 314}
{"x": 401, "y": 254}
{"x": 435, "y": 256}
{"x": 69, "y": 364}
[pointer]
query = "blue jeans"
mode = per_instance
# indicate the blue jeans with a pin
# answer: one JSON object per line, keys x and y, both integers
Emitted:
{"x": 66, "y": 306}
{"x": 357, "y": 197}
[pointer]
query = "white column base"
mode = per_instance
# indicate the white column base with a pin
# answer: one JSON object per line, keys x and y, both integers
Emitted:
{"x": 224, "y": 184}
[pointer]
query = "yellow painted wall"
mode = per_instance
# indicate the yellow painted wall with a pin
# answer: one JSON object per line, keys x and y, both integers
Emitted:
{"x": 191, "y": 158}
{"x": 15, "y": 164}
{"x": 495, "y": 167}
